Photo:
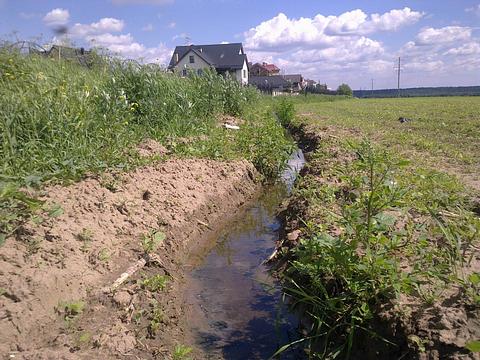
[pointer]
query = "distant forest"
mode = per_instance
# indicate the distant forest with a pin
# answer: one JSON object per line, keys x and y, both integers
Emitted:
{"x": 423, "y": 91}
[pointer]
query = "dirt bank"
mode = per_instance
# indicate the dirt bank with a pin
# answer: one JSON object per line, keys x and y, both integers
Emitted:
{"x": 437, "y": 328}
{"x": 52, "y": 271}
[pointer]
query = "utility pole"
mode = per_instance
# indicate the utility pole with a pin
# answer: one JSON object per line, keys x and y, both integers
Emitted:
{"x": 372, "y": 84}
{"x": 399, "y": 69}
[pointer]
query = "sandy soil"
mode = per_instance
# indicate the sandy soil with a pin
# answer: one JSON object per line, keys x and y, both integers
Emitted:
{"x": 90, "y": 233}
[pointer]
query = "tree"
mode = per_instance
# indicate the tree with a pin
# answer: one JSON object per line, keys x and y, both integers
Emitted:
{"x": 344, "y": 89}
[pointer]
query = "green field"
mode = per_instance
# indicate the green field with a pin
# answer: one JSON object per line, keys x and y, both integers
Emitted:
{"x": 444, "y": 132}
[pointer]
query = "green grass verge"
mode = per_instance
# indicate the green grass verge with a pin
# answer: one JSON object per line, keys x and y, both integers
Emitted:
{"x": 60, "y": 121}
{"x": 376, "y": 227}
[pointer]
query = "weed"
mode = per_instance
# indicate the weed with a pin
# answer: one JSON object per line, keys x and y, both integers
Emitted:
{"x": 155, "y": 283}
{"x": 83, "y": 339}
{"x": 71, "y": 310}
{"x": 110, "y": 182}
{"x": 285, "y": 110}
{"x": 181, "y": 352}
{"x": 152, "y": 240}
{"x": 374, "y": 218}
{"x": 155, "y": 318}
{"x": 33, "y": 245}
{"x": 104, "y": 255}
{"x": 55, "y": 211}
{"x": 86, "y": 237}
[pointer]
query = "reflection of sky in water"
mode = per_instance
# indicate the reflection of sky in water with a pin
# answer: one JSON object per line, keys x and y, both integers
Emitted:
{"x": 239, "y": 304}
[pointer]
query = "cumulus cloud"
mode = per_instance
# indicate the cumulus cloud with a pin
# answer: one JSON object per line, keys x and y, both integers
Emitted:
{"x": 448, "y": 34}
{"x": 358, "y": 23}
{"x": 56, "y": 17}
{"x": 471, "y": 48}
{"x": 343, "y": 48}
{"x": 320, "y": 30}
{"x": 330, "y": 43}
{"x": 102, "y": 26}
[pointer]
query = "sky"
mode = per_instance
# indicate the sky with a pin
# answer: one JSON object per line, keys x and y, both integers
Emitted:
{"x": 333, "y": 42}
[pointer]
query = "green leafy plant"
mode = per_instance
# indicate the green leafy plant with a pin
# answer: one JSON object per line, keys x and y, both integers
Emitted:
{"x": 71, "y": 310}
{"x": 473, "y": 346}
{"x": 152, "y": 240}
{"x": 156, "y": 283}
{"x": 155, "y": 318}
{"x": 285, "y": 110}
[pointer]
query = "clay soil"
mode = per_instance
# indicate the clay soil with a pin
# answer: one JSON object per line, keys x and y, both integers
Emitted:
{"x": 52, "y": 271}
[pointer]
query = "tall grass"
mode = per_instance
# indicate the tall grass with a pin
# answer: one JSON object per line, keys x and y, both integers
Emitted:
{"x": 59, "y": 121}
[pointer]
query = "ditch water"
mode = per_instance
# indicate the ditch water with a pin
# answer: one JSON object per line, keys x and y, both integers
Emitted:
{"x": 237, "y": 306}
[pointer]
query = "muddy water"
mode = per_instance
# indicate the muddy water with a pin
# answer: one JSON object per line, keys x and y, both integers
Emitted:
{"x": 235, "y": 305}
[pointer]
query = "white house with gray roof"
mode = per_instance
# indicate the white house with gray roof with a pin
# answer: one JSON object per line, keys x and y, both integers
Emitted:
{"x": 224, "y": 58}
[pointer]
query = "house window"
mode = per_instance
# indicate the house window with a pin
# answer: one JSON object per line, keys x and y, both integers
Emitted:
{"x": 199, "y": 72}
{"x": 184, "y": 72}
{"x": 192, "y": 59}
{"x": 244, "y": 74}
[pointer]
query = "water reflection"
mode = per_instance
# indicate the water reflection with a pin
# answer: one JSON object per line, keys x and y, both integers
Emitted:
{"x": 236, "y": 307}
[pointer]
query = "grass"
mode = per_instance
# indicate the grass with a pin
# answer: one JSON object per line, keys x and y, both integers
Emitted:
{"x": 378, "y": 224}
{"x": 71, "y": 310}
{"x": 60, "y": 122}
{"x": 443, "y": 132}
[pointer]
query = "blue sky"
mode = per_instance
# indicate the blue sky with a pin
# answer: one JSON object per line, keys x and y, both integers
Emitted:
{"x": 333, "y": 42}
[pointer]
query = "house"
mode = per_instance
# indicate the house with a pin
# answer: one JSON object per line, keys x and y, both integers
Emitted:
{"x": 296, "y": 82}
{"x": 264, "y": 69}
{"x": 226, "y": 59}
{"x": 274, "y": 84}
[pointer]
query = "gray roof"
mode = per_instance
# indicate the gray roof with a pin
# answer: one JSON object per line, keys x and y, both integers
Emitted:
{"x": 221, "y": 56}
{"x": 268, "y": 82}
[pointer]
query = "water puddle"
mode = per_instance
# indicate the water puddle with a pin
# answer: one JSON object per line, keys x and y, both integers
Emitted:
{"x": 236, "y": 305}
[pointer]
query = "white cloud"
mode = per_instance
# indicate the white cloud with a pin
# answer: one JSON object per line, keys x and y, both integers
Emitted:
{"x": 323, "y": 31}
{"x": 432, "y": 36}
{"x": 172, "y": 25}
{"x": 474, "y": 9}
{"x": 343, "y": 48}
{"x": 107, "y": 40}
{"x": 147, "y": 28}
{"x": 358, "y": 23}
{"x": 471, "y": 48}
{"x": 102, "y": 26}
{"x": 56, "y": 17}
{"x": 143, "y": 2}
{"x": 183, "y": 36}
{"x": 420, "y": 65}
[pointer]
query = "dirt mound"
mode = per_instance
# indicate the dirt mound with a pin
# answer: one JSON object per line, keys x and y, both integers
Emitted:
{"x": 90, "y": 233}
{"x": 151, "y": 147}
